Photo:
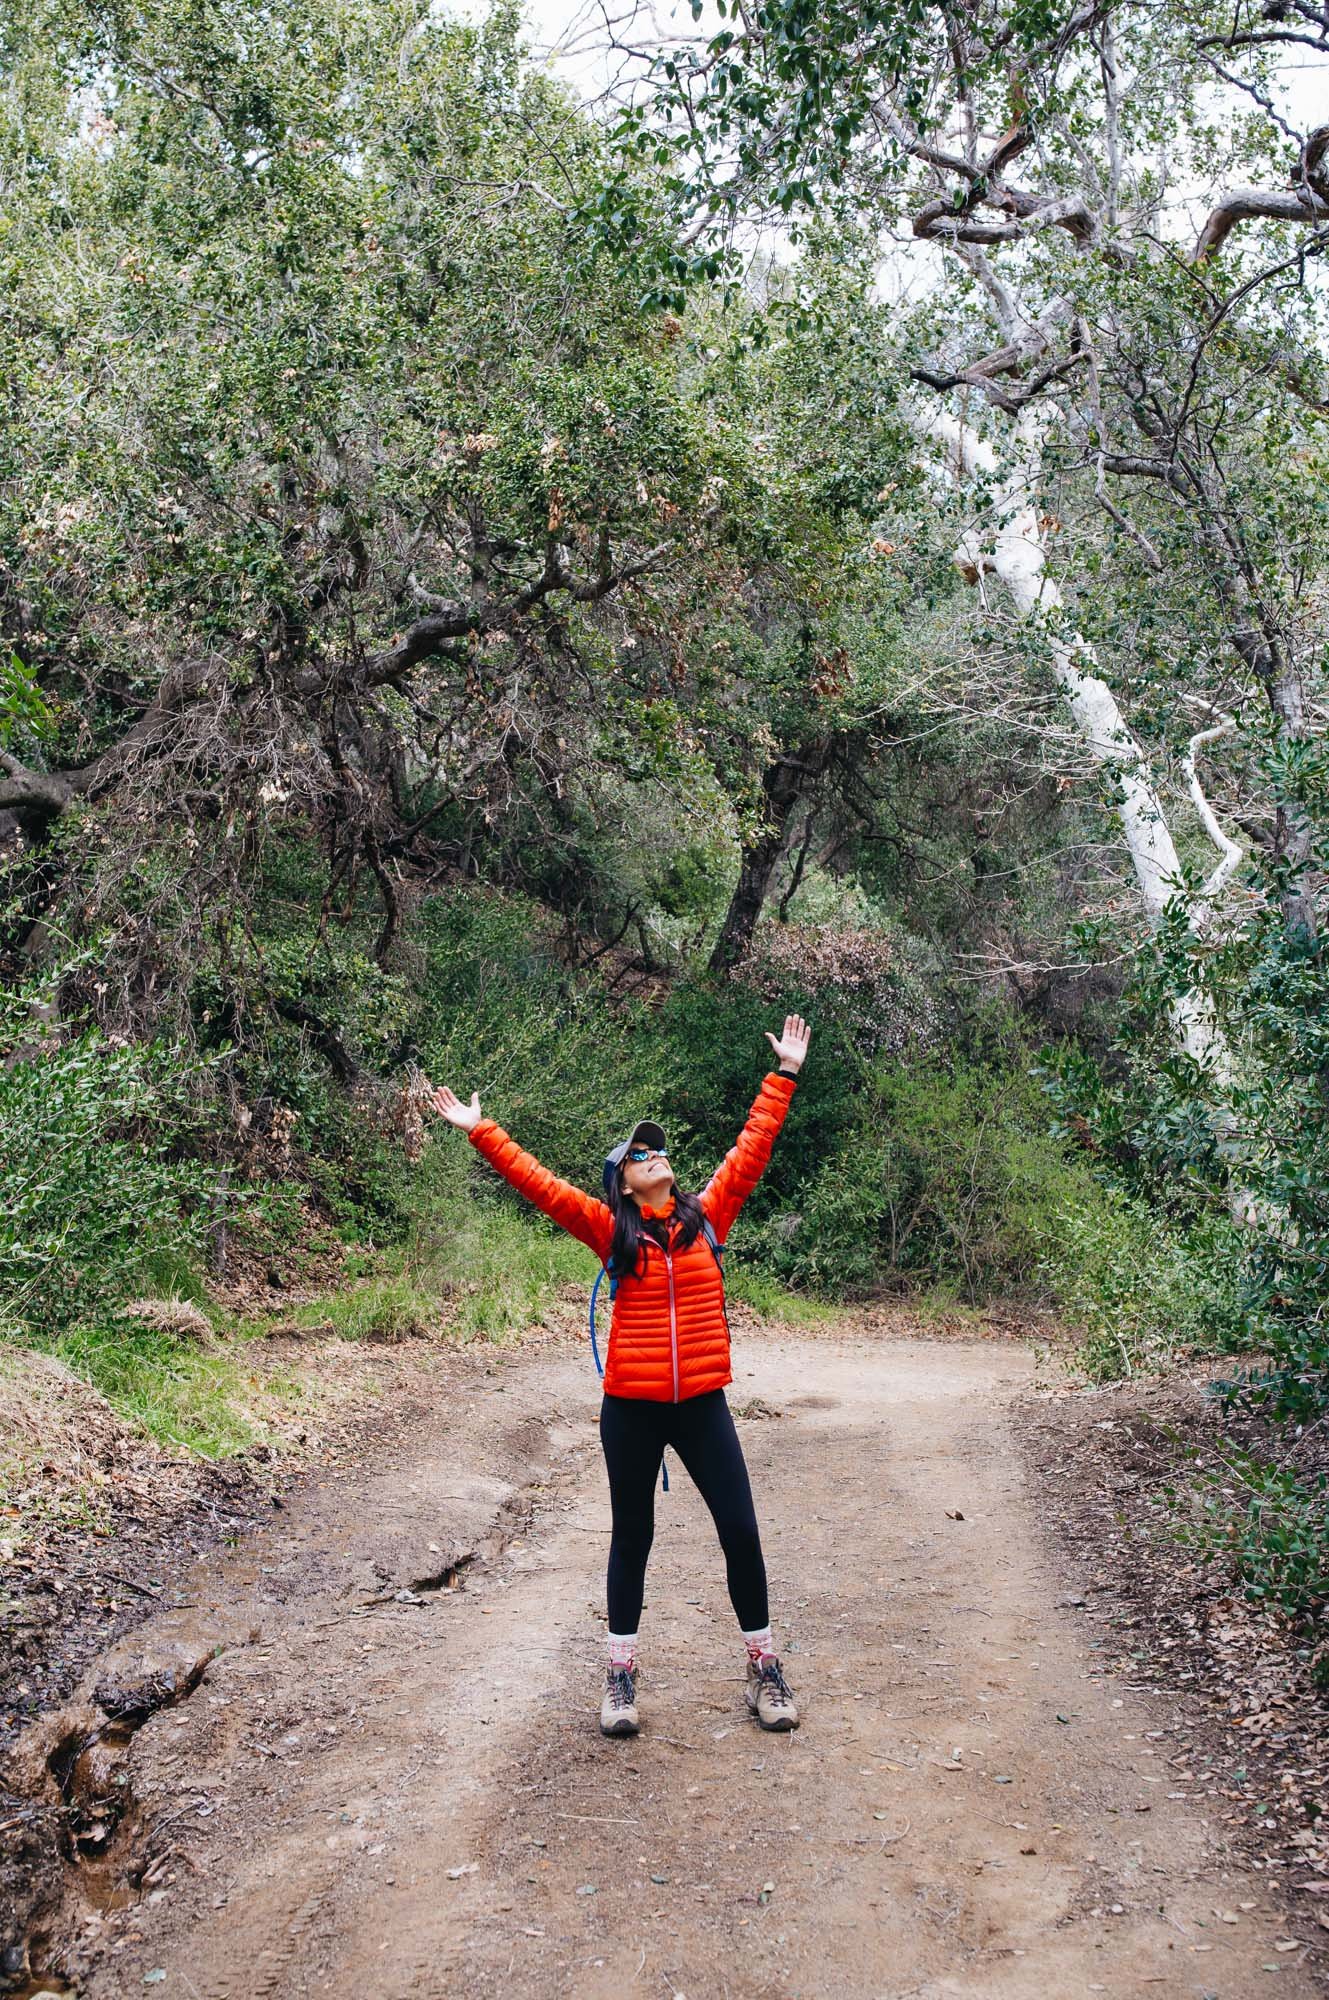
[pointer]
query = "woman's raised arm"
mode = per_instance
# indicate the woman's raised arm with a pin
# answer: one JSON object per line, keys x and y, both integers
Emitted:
{"x": 745, "y": 1162}
{"x": 580, "y": 1214}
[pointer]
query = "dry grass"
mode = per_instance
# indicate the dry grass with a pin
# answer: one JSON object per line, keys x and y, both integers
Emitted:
{"x": 59, "y": 1440}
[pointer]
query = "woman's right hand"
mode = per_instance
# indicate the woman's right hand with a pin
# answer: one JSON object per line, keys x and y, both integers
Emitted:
{"x": 464, "y": 1116}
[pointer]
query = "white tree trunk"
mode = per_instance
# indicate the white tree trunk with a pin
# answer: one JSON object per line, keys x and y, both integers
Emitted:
{"x": 1017, "y": 554}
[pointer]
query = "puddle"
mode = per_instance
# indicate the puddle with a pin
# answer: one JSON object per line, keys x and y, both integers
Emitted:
{"x": 96, "y": 1831}
{"x": 34, "y": 1987}
{"x": 89, "y": 1764}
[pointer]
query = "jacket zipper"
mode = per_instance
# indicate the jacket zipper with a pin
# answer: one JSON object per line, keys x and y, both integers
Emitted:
{"x": 673, "y": 1320}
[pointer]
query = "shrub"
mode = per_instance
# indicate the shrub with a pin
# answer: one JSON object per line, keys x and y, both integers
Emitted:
{"x": 1143, "y": 1289}
{"x": 1256, "y": 1137}
{"x": 947, "y": 1177}
{"x": 872, "y": 978}
{"x": 96, "y": 1182}
{"x": 712, "y": 1053}
{"x": 469, "y": 1245}
{"x": 1278, "y": 1543}
{"x": 500, "y": 1015}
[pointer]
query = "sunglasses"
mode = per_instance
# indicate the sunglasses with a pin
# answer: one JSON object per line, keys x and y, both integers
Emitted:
{"x": 639, "y": 1153}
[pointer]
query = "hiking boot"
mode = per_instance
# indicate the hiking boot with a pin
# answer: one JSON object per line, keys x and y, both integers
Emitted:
{"x": 618, "y": 1710}
{"x": 769, "y": 1696}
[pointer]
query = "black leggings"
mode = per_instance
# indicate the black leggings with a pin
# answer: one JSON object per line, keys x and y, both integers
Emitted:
{"x": 634, "y": 1435}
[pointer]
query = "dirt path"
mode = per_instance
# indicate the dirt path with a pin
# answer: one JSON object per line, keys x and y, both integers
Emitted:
{"x": 397, "y": 1798}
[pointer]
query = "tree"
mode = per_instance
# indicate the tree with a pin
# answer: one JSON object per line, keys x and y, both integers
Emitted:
{"x": 326, "y": 454}
{"x": 1088, "y": 347}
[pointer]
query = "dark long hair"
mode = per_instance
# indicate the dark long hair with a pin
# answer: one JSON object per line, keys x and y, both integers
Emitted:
{"x": 630, "y": 1226}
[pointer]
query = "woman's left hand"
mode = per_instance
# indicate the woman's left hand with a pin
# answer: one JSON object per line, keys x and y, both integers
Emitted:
{"x": 792, "y": 1047}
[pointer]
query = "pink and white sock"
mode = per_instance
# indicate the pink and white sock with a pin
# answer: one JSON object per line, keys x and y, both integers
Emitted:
{"x": 623, "y": 1650}
{"x": 760, "y": 1645}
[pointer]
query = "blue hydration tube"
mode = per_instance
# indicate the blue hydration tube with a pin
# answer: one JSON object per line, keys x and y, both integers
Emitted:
{"x": 599, "y": 1368}
{"x": 594, "y": 1349}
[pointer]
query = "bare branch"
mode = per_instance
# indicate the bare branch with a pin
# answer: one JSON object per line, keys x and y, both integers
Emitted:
{"x": 1232, "y": 854}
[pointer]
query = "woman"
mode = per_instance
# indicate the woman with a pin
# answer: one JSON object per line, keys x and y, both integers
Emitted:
{"x": 668, "y": 1359}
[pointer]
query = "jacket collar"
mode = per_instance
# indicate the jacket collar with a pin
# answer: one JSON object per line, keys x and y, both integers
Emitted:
{"x": 660, "y": 1214}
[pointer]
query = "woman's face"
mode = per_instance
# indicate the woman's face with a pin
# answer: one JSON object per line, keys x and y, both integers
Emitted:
{"x": 649, "y": 1180}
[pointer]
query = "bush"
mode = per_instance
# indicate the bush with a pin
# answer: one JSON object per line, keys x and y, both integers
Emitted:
{"x": 947, "y": 1177}
{"x": 469, "y": 1245}
{"x": 1144, "y": 1290}
{"x": 924, "y": 1170}
{"x": 1278, "y": 1544}
{"x": 498, "y": 1014}
{"x": 97, "y": 1186}
{"x": 874, "y": 979}
{"x": 1257, "y": 1138}
{"x": 712, "y": 1055}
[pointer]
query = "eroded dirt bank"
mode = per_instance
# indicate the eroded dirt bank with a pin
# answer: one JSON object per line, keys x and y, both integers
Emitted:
{"x": 393, "y": 1794}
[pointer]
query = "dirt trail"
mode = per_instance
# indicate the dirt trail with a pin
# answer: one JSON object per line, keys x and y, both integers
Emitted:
{"x": 397, "y": 1798}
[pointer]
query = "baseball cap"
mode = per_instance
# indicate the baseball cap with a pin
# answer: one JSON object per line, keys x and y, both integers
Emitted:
{"x": 644, "y": 1133}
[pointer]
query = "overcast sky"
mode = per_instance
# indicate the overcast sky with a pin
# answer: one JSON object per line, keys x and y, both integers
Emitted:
{"x": 571, "y": 33}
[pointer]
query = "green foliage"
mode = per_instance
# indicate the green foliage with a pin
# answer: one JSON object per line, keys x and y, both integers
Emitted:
{"x": 889, "y": 1169}
{"x": 22, "y": 709}
{"x": 1190, "y": 1153}
{"x": 567, "y": 1071}
{"x": 1277, "y": 1541}
{"x": 185, "y": 1396}
{"x": 712, "y": 1051}
{"x": 493, "y": 1266}
{"x": 97, "y": 1181}
{"x": 946, "y": 1176}
{"x": 354, "y": 1168}
{"x": 1144, "y": 1291}
{"x": 498, "y": 1013}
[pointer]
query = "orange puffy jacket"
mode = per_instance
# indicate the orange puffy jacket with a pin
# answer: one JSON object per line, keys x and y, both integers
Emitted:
{"x": 669, "y": 1338}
